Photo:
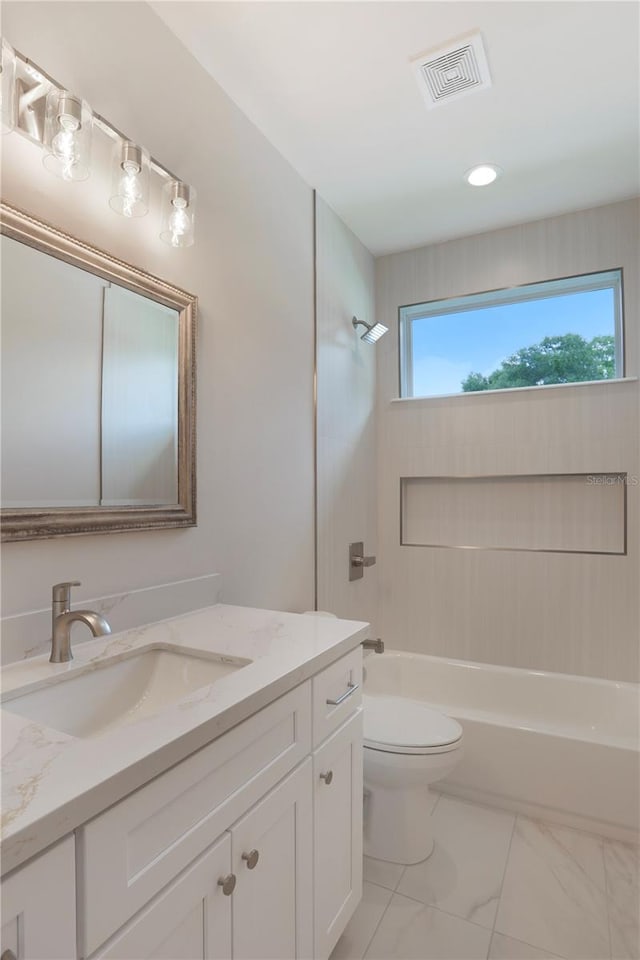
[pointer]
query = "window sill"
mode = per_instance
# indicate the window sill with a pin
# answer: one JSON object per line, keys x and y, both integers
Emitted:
{"x": 493, "y": 393}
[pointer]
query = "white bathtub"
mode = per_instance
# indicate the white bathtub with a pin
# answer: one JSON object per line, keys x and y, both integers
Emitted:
{"x": 557, "y": 746}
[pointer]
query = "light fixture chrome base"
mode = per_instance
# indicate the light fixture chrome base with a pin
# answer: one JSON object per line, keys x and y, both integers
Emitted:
{"x": 32, "y": 87}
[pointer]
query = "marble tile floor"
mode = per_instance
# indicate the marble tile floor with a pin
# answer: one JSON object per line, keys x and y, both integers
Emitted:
{"x": 500, "y": 886}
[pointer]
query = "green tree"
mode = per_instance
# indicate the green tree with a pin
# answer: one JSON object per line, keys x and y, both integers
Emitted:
{"x": 564, "y": 359}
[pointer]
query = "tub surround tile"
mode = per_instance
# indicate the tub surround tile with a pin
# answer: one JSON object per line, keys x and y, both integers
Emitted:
{"x": 623, "y": 892}
{"x": 506, "y": 948}
{"x": 414, "y": 931}
{"x": 52, "y": 783}
{"x": 354, "y": 941}
{"x": 553, "y": 895}
{"x": 464, "y": 874}
{"x": 382, "y": 872}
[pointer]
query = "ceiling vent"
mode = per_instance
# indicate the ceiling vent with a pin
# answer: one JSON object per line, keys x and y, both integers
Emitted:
{"x": 453, "y": 71}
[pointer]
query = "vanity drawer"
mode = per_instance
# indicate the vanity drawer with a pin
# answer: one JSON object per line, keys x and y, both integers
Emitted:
{"x": 134, "y": 849}
{"x": 337, "y": 693}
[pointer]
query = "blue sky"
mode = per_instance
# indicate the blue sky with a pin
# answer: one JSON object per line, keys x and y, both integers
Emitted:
{"x": 447, "y": 348}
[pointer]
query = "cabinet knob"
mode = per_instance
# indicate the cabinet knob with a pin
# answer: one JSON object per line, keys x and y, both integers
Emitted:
{"x": 327, "y": 777}
{"x": 227, "y": 883}
{"x": 251, "y": 858}
{"x": 8, "y": 955}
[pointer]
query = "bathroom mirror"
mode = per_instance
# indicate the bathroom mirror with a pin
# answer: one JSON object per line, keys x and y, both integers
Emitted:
{"x": 98, "y": 389}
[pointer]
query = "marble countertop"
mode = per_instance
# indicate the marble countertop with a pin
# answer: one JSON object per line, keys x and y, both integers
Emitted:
{"x": 53, "y": 782}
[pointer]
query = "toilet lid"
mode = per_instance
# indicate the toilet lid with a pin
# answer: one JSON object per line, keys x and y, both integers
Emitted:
{"x": 395, "y": 723}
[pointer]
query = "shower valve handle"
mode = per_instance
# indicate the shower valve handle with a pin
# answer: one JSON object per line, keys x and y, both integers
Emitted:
{"x": 358, "y": 561}
{"x": 363, "y": 561}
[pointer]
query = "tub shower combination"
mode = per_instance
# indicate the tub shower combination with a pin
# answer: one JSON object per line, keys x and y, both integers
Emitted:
{"x": 563, "y": 748}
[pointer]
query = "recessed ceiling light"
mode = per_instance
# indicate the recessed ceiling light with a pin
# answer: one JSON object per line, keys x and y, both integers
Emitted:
{"x": 482, "y": 175}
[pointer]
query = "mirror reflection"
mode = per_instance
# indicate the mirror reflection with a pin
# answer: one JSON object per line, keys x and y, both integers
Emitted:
{"x": 90, "y": 381}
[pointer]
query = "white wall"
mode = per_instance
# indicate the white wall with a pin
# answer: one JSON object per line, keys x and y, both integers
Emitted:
{"x": 570, "y": 613}
{"x": 251, "y": 267}
{"x": 347, "y": 488}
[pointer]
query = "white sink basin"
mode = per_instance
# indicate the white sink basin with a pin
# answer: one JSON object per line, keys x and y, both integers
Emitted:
{"x": 118, "y": 693}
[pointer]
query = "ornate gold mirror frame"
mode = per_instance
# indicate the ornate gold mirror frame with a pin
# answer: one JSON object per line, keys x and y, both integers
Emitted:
{"x": 44, "y": 522}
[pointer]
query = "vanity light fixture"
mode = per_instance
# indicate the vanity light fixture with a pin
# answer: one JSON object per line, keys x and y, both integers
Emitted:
{"x": 67, "y": 136}
{"x": 482, "y": 175}
{"x": 34, "y": 105}
{"x": 8, "y": 87}
{"x": 130, "y": 189}
{"x": 178, "y": 214}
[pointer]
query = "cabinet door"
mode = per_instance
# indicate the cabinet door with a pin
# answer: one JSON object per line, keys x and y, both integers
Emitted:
{"x": 273, "y": 899}
{"x": 39, "y": 906}
{"x": 129, "y": 853}
{"x": 190, "y": 920}
{"x": 337, "y": 798}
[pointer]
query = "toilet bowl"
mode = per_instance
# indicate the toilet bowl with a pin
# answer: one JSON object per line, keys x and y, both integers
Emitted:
{"x": 407, "y": 747}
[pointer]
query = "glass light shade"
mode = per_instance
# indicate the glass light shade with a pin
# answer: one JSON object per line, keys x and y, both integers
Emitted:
{"x": 130, "y": 184}
{"x": 8, "y": 87}
{"x": 178, "y": 214}
{"x": 67, "y": 136}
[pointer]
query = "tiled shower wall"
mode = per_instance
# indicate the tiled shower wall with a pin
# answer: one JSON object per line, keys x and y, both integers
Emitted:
{"x": 574, "y": 613}
{"x": 346, "y": 450}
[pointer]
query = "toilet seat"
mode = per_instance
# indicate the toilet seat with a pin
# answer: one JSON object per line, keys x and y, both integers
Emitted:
{"x": 399, "y": 725}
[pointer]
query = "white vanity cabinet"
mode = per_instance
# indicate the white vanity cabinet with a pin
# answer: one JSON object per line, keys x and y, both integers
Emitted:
{"x": 191, "y": 918}
{"x": 249, "y": 849}
{"x": 39, "y": 907}
{"x": 129, "y": 853}
{"x": 272, "y": 859}
{"x": 337, "y": 798}
{"x": 337, "y": 775}
{"x": 248, "y": 897}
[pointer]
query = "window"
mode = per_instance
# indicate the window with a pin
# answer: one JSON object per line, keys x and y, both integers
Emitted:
{"x": 558, "y": 331}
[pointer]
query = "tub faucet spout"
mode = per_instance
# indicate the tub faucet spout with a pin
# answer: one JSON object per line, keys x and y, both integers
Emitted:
{"x": 376, "y": 645}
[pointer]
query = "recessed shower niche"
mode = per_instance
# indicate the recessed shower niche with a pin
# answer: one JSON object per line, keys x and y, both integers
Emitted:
{"x": 560, "y": 513}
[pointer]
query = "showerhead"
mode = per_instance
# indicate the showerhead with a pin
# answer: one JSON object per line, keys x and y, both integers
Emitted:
{"x": 373, "y": 331}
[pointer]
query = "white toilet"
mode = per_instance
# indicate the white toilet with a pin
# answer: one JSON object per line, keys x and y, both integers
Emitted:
{"x": 407, "y": 746}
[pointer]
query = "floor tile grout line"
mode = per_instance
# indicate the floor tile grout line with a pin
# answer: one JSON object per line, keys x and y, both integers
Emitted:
{"x": 447, "y": 913}
{"x": 377, "y": 884}
{"x": 492, "y": 930}
{"x": 534, "y": 946}
{"x": 380, "y": 885}
{"x": 490, "y": 947}
{"x": 504, "y": 874}
{"x": 427, "y": 906}
{"x": 551, "y": 954}
{"x": 377, "y": 926}
{"x": 607, "y": 898}
{"x": 404, "y": 870}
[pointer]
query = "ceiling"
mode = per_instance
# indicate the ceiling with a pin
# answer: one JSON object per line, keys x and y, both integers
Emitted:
{"x": 329, "y": 84}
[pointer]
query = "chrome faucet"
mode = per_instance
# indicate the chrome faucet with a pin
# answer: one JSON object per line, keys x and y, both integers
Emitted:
{"x": 63, "y": 618}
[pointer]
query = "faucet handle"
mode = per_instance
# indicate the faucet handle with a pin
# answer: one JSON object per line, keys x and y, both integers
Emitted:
{"x": 61, "y": 592}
